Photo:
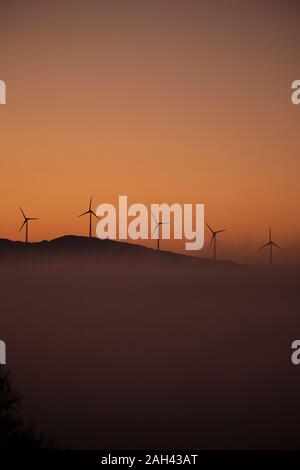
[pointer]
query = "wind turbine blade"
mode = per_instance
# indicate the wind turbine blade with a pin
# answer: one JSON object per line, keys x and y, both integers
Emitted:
{"x": 274, "y": 244}
{"x": 220, "y": 231}
{"x": 210, "y": 228}
{"x": 154, "y": 218}
{"x": 154, "y": 229}
{"x": 23, "y": 212}
{"x": 90, "y": 206}
{"x": 33, "y": 218}
{"x": 164, "y": 223}
{"x": 270, "y": 234}
{"x": 22, "y": 225}
{"x": 265, "y": 246}
{"x": 84, "y": 213}
{"x": 95, "y": 215}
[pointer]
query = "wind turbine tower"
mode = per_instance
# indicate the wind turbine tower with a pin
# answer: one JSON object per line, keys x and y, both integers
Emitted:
{"x": 26, "y": 222}
{"x": 270, "y": 244}
{"x": 157, "y": 227}
{"x": 213, "y": 240}
{"x": 91, "y": 214}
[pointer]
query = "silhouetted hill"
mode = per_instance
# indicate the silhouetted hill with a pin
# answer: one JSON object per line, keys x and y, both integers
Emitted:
{"x": 78, "y": 247}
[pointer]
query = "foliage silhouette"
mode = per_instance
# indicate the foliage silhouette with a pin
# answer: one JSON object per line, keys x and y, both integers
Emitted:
{"x": 14, "y": 432}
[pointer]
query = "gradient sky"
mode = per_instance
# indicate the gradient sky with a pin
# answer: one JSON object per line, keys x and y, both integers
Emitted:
{"x": 163, "y": 100}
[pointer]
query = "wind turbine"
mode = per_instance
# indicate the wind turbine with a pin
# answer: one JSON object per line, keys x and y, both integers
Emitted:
{"x": 214, "y": 239}
{"x": 26, "y": 220}
{"x": 270, "y": 244}
{"x": 157, "y": 227}
{"x": 91, "y": 213}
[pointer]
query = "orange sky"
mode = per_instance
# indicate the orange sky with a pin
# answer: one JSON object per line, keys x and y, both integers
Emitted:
{"x": 165, "y": 101}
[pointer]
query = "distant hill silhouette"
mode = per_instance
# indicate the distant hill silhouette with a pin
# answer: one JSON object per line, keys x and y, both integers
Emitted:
{"x": 76, "y": 246}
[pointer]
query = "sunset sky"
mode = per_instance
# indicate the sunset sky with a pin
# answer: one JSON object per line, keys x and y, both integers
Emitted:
{"x": 164, "y": 101}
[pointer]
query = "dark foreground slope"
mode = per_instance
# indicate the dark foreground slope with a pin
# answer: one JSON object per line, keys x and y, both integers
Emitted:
{"x": 116, "y": 346}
